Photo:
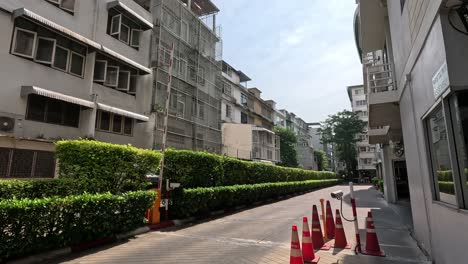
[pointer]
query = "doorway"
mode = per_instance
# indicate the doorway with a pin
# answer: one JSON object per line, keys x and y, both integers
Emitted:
{"x": 401, "y": 180}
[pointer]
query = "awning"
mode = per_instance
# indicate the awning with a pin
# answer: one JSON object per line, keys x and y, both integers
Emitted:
{"x": 26, "y": 13}
{"x": 204, "y": 7}
{"x": 145, "y": 24}
{"x": 372, "y": 25}
{"x": 259, "y": 128}
{"x": 122, "y": 112}
{"x": 132, "y": 63}
{"x": 29, "y": 89}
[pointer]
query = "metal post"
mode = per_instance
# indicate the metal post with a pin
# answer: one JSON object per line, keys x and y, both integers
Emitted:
{"x": 356, "y": 227}
{"x": 325, "y": 234}
{"x": 166, "y": 116}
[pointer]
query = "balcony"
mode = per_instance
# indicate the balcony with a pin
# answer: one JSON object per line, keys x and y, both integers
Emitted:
{"x": 383, "y": 100}
{"x": 378, "y": 135}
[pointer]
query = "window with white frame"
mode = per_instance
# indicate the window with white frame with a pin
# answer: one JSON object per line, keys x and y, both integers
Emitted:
{"x": 227, "y": 88}
{"x": 124, "y": 29}
{"x": 183, "y": 69}
{"x": 244, "y": 99}
{"x": 114, "y": 123}
{"x": 33, "y": 41}
{"x": 201, "y": 110}
{"x": 201, "y": 75}
{"x": 361, "y": 102}
{"x": 67, "y": 5}
{"x": 114, "y": 74}
{"x": 184, "y": 30}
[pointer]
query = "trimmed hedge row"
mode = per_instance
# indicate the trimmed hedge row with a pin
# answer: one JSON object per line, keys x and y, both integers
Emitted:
{"x": 121, "y": 165}
{"x": 189, "y": 202}
{"x": 41, "y": 188}
{"x": 31, "y": 226}
{"x": 447, "y": 187}
{"x": 118, "y": 165}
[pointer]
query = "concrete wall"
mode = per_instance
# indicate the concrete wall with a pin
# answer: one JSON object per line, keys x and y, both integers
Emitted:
{"x": 237, "y": 140}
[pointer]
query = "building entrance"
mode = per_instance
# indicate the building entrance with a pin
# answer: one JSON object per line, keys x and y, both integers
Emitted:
{"x": 401, "y": 180}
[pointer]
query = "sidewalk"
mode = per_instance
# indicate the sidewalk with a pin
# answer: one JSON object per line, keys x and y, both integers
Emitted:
{"x": 393, "y": 223}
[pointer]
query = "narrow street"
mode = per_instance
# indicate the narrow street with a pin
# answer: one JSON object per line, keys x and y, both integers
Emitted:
{"x": 262, "y": 235}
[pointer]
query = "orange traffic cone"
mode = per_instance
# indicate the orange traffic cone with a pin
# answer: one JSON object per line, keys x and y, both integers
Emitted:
{"x": 296, "y": 255}
{"x": 372, "y": 242}
{"x": 340, "y": 236}
{"x": 307, "y": 246}
{"x": 317, "y": 237}
{"x": 330, "y": 225}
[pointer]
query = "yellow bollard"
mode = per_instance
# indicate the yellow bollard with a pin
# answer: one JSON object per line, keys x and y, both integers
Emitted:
{"x": 325, "y": 235}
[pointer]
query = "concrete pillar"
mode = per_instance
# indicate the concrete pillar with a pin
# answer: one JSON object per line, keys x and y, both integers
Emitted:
{"x": 388, "y": 175}
{"x": 214, "y": 23}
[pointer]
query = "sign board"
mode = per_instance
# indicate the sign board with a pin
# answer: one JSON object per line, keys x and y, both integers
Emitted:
{"x": 440, "y": 81}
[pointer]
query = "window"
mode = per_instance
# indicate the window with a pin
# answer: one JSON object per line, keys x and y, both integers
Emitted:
{"x": 61, "y": 58}
{"x": 24, "y": 42}
{"x": 48, "y": 48}
{"x": 184, "y": 31}
{"x": 201, "y": 110}
{"x": 361, "y": 102}
{"x": 112, "y": 76}
{"x": 182, "y": 69}
{"x": 201, "y": 75}
{"x": 357, "y": 91}
{"x": 100, "y": 67}
{"x": 124, "y": 81}
{"x": 440, "y": 155}
{"x": 45, "y": 50}
{"x": 48, "y": 110}
{"x": 77, "y": 64}
{"x": 244, "y": 99}
{"x": 67, "y": 5}
{"x": 244, "y": 118}
{"x": 133, "y": 84}
{"x": 25, "y": 163}
{"x": 227, "y": 88}
{"x": 170, "y": 22}
{"x": 180, "y": 109}
{"x": 135, "y": 38}
{"x": 113, "y": 123}
{"x": 228, "y": 111}
{"x": 124, "y": 29}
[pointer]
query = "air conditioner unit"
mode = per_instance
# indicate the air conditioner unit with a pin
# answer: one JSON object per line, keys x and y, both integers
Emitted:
{"x": 7, "y": 124}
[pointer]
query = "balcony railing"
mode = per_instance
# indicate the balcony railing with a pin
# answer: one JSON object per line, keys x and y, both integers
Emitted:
{"x": 380, "y": 78}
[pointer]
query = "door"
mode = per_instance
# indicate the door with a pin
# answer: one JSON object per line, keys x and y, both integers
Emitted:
{"x": 401, "y": 179}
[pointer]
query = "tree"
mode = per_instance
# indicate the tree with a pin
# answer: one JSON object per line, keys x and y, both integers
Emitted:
{"x": 342, "y": 130}
{"x": 287, "y": 142}
{"x": 322, "y": 160}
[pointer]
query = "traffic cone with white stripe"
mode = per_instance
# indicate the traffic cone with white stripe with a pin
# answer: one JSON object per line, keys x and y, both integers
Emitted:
{"x": 329, "y": 225}
{"x": 295, "y": 255}
{"x": 340, "y": 236}
{"x": 372, "y": 242}
{"x": 307, "y": 246}
{"x": 317, "y": 237}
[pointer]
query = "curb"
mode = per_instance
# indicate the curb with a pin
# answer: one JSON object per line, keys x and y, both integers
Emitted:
{"x": 50, "y": 255}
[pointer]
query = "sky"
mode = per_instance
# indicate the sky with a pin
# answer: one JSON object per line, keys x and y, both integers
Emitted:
{"x": 299, "y": 53}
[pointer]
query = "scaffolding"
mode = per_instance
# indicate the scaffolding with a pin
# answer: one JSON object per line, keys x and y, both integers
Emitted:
{"x": 194, "y": 112}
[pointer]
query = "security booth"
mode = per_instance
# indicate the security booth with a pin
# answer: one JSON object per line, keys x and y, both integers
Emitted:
{"x": 154, "y": 215}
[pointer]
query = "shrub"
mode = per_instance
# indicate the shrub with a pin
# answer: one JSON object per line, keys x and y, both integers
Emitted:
{"x": 447, "y": 187}
{"x": 118, "y": 165}
{"x": 188, "y": 202}
{"x": 31, "y": 226}
{"x": 40, "y": 188}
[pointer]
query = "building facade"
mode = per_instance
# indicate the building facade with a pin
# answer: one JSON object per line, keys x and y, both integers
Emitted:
{"x": 247, "y": 120}
{"x": 304, "y": 147}
{"x": 194, "y": 113}
{"x": 366, "y": 152}
{"x": 414, "y": 56}
{"x": 72, "y": 69}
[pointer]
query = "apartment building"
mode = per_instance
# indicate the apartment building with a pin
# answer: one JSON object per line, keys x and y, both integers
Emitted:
{"x": 194, "y": 113}
{"x": 366, "y": 152}
{"x": 247, "y": 119}
{"x": 71, "y": 69}
{"x": 414, "y": 56}
{"x": 304, "y": 147}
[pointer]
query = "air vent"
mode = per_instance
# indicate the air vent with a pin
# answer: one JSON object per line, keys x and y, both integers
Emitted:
{"x": 7, "y": 124}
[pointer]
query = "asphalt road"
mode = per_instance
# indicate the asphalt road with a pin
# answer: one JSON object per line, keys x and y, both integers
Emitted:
{"x": 257, "y": 235}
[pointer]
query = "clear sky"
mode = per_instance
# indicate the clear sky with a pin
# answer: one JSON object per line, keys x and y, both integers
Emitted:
{"x": 300, "y": 53}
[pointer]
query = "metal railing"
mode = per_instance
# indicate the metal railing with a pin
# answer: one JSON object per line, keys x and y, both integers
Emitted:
{"x": 380, "y": 78}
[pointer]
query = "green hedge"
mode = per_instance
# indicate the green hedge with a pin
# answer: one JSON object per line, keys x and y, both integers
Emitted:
{"x": 189, "y": 202}
{"x": 118, "y": 165}
{"x": 121, "y": 165}
{"x": 31, "y": 226}
{"x": 447, "y": 187}
{"x": 41, "y": 188}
